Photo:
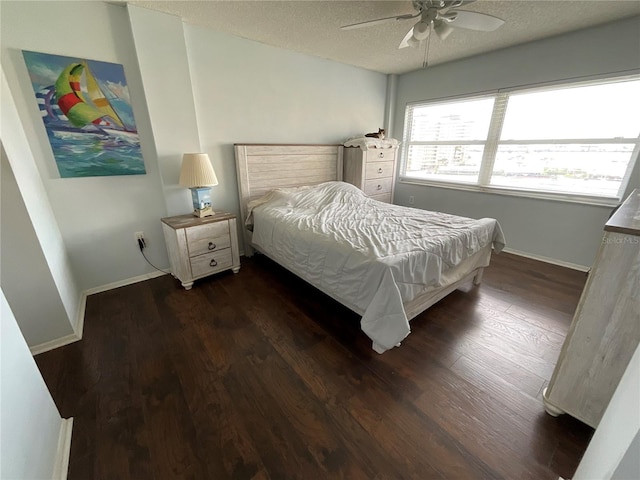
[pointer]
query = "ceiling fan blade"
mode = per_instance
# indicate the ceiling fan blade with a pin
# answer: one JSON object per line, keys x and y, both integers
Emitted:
{"x": 456, "y": 3}
{"x": 476, "y": 21}
{"x": 405, "y": 41}
{"x": 370, "y": 23}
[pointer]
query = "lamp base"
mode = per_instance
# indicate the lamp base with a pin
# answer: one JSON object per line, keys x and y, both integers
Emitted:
{"x": 201, "y": 198}
{"x": 203, "y": 212}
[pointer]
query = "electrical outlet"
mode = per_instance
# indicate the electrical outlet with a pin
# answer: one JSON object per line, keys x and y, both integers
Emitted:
{"x": 412, "y": 200}
{"x": 140, "y": 236}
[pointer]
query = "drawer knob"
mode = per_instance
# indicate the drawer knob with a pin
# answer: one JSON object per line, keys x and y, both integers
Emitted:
{"x": 213, "y": 263}
{"x": 380, "y": 170}
{"x": 379, "y": 187}
{"x": 381, "y": 155}
{"x": 212, "y": 246}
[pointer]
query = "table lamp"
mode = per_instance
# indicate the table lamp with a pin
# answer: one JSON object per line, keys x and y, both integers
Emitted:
{"x": 197, "y": 174}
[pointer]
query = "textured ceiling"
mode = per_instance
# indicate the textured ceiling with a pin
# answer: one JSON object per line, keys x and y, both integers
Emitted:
{"x": 313, "y": 27}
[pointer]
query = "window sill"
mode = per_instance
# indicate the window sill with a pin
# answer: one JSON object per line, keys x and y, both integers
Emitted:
{"x": 557, "y": 197}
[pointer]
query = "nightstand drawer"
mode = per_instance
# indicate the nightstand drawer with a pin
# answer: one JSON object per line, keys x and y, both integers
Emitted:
{"x": 208, "y": 238}
{"x": 209, "y": 263}
{"x": 381, "y": 154}
{"x": 378, "y": 170}
{"x": 377, "y": 187}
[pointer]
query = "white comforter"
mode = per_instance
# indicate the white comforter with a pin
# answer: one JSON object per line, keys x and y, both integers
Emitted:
{"x": 369, "y": 255}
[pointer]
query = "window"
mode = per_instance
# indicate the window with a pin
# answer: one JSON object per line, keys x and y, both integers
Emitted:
{"x": 578, "y": 140}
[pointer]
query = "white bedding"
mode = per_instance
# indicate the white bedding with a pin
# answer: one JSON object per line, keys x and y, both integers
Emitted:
{"x": 370, "y": 255}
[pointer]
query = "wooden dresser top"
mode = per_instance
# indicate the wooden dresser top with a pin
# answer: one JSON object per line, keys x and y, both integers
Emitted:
{"x": 627, "y": 217}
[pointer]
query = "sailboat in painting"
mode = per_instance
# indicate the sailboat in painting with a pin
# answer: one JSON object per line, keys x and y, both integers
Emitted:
{"x": 90, "y": 128}
{"x": 87, "y": 112}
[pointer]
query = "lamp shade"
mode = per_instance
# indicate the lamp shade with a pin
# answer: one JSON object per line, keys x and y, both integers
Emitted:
{"x": 197, "y": 171}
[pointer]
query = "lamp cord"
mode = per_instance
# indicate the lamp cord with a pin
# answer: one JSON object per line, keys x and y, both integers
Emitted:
{"x": 142, "y": 245}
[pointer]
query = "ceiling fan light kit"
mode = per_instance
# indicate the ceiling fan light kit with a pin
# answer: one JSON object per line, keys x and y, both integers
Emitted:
{"x": 420, "y": 31}
{"x": 413, "y": 43}
{"x": 442, "y": 29}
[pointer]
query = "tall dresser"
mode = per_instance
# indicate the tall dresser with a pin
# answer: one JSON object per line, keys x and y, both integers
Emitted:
{"x": 606, "y": 326}
{"x": 373, "y": 171}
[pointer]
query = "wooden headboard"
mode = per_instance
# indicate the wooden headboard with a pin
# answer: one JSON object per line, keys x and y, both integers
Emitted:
{"x": 263, "y": 167}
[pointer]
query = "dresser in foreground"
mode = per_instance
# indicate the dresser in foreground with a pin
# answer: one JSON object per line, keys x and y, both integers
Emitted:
{"x": 606, "y": 326}
{"x": 199, "y": 247}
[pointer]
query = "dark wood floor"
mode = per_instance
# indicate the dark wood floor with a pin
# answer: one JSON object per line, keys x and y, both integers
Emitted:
{"x": 258, "y": 375}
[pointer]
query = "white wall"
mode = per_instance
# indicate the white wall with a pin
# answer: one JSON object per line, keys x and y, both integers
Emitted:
{"x": 248, "y": 92}
{"x": 39, "y": 261}
{"x": 31, "y": 424}
{"x": 97, "y": 216}
{"x": 167, "y": 85}
{"x": 562, "y": 231}
{"x": 24, "y": 271}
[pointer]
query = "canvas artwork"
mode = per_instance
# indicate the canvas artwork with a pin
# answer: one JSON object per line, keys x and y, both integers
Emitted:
{"x": 86, "y": 110}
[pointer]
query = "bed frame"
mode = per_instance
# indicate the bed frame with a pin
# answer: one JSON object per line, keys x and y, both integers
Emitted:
{"x": 262, "y": 167}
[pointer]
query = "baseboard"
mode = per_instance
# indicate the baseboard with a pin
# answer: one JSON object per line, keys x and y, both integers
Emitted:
{"x": 122, "y": 283}
{"x": 78, "y": 328}
{"x": 553, "y": 261}
{"x": 61, "y": 467}
{"x": 55, "y": 343}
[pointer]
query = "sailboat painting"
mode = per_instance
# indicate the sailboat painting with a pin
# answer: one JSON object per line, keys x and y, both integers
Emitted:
{"x": 86, "y": 110}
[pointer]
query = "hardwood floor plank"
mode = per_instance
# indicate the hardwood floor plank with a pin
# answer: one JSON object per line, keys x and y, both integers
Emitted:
{"x": 261, "y": 376}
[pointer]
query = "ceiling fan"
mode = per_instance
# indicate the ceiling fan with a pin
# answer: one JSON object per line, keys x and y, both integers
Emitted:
{"x": 440, "y": 16}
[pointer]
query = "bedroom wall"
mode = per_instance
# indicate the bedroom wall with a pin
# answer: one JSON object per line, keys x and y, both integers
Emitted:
{"x": 24, "y": 271}
{"x": 31, "y": 424}
{"x": 567, "y": 232}
{"x": 169, "y": 95}
{"x": 97, "y": 216}
{"x": 34, "y": 260}
{"x": 248, "y": 92}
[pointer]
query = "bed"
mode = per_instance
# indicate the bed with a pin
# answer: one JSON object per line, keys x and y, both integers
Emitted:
{"x": 385, "y": 262}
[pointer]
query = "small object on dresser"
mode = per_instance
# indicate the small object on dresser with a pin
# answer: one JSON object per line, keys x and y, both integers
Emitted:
{"x": 379, "y": 134}
{"x": 198, "y": 175}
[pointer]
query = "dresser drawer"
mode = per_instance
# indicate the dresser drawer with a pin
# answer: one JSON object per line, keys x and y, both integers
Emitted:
{"x": 380, "y": 154}
{"x": 377, "y": 187}
{"x": 209, "y": 263}
{"x": 385, "y": 197}
{"x": 208, "y": 238}
{"x": 375, "y": 170}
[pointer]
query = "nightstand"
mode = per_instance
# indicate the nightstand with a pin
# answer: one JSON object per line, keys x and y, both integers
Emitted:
{"x": 199, "y": 247}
